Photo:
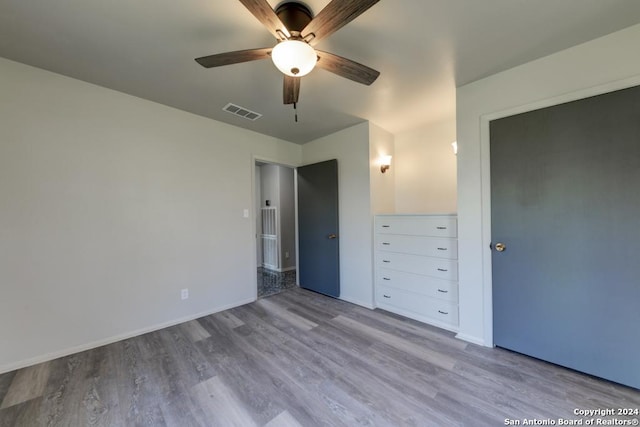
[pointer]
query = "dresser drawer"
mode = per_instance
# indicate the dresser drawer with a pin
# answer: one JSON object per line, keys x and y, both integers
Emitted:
{"x": 440, "y": 311}
{"x": 418, "y": 245}
{"x": 435, "y": 267}
{"x": 424, "y": 285}
{"x": 435, "y": 226}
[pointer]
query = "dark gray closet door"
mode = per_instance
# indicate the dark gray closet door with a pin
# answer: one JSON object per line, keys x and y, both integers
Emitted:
{"x": 319, "y": 257}
{"x": 565, "y": 202}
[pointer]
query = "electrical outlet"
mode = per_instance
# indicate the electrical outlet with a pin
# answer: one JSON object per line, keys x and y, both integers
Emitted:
{"x": 245, "y": 213}
{"x": 184, "y": 294}
{"x": 286, "y": 255}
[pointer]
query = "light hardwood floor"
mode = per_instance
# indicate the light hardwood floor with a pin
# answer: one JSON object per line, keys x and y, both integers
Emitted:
{"x": 299, "y": 359}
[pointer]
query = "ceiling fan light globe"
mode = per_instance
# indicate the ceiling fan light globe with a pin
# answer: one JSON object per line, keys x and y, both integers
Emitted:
{"x": 294, "y": 58}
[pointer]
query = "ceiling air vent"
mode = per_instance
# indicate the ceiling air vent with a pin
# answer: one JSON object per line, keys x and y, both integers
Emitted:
{"x": 242, "y": 112}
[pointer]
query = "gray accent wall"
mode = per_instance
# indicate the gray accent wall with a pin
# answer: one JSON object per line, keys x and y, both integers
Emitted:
{"x": 287, "y": 218}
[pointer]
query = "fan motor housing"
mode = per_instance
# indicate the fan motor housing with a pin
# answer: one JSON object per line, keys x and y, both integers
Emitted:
{"x": 295, "y": 16}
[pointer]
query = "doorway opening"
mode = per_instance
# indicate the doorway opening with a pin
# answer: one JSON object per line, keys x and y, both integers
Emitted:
{"x": 275, "y": 228}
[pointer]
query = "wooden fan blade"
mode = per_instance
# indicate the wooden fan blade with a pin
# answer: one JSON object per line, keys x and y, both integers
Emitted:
{"x": 346, "y": 68}
{"x": 291, "y": 90}
{"x": 334, "y": 16}
{"x": 265, "y": 14}
{"x": 236, "y": 57}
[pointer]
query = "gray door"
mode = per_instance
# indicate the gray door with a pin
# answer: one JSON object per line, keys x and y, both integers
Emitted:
{"x": 318, "y": 260}
{"x": 565, "y": 202}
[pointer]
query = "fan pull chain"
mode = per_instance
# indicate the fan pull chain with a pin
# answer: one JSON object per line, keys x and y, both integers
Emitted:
{"x": 295, "y": 109}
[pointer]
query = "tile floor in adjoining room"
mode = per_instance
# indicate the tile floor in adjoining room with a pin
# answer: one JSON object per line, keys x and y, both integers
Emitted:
{"x": 272, "y": 282}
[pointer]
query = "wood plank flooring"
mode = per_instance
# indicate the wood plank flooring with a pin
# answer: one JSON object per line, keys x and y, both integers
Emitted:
{"x": 300, "y": 359}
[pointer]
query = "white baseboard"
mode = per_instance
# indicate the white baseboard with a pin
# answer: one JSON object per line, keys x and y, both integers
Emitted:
{"x": 370, "y": 306}
{"x": 472, "y": 339}
{"x": 110, "y": 340}
{"x": 418, "y": 317}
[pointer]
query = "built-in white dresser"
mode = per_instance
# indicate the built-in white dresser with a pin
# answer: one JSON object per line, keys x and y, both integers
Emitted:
{"x": 416, "y": 267}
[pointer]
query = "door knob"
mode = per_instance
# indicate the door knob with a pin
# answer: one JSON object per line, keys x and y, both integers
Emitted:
{"x": 332, "y": 236}
{"x": 500, "y": 247}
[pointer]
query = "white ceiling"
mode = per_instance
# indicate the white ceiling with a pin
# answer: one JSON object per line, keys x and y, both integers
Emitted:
{"x": 423, "y": 49}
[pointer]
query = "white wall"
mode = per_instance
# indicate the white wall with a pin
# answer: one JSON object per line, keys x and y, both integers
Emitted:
{"x": 425, "y": 169}
{"x": 277, "y": 186}
{"x": 269, "y": 192}
{"x": 269, "y": 185}
{"x": 602, "y": 65}
{"x": 351, "y": 148}
{"x": 109, "y": 205}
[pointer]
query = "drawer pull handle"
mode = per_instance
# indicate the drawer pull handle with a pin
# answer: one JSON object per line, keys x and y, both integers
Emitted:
{"x": 442, "y": 291}
{"x": 441, "y": 228}
{"x": 443, "y": 270}
{"x": 386, "y": 296}
{"x": 386, "y": 278}
{"x": 386, "y": 226}
{"x": 442, "y": 249}
{"x": 386, "y": 260}
{"x": 442, "y": 312}
{"x": 386, "y": 243}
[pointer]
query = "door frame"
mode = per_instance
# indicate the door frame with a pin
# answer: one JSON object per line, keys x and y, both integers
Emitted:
{"x": 485, "y": 170}
{"x": 253, "y": 211}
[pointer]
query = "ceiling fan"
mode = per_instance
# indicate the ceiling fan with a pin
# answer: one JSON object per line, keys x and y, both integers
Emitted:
{"x": 297, "y": 31}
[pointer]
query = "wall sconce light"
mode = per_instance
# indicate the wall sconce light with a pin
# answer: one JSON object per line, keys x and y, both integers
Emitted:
{"x": 385, "y": 163}
{"x": 454, "y": 144}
